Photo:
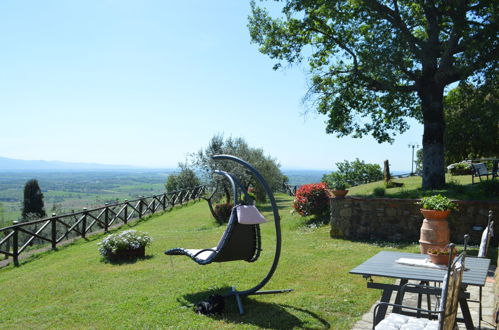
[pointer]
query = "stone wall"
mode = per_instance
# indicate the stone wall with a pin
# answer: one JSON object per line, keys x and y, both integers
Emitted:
{"x": 400, "y": 219}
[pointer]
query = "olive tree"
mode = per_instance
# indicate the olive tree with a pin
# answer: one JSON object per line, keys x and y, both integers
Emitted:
{"x": 218, "y": 145}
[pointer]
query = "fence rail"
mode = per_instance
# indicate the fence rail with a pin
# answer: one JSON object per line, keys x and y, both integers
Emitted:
{"x": 18, "y": 237}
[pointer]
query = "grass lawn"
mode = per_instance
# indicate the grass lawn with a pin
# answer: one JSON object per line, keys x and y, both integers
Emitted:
{"x": 457, "y": 187}
{"x": 75, "y": 288}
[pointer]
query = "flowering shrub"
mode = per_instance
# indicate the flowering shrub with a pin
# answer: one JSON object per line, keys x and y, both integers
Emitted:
{"x": 312, "y": 199}
{"x": 124, "y": 241}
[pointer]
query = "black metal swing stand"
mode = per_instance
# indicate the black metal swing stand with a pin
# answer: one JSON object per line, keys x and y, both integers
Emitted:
{"x": 240, "y": 241}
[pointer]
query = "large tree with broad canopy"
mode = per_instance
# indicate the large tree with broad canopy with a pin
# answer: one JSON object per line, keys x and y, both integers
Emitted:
{"x": 376, "y": 63}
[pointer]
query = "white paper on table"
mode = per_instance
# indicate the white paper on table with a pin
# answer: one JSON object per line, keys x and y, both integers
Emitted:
{"x": 419, "y": 263}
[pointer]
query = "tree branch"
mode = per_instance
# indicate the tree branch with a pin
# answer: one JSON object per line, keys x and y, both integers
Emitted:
{"x": 393, "y": 16}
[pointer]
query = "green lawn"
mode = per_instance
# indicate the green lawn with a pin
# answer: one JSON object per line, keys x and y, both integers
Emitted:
{"x": 457, "y": 187}
{"x": 74, "y": 288}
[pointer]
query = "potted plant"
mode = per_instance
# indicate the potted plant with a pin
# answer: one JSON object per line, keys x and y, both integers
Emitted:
{"x": 436, "y": 207}
{"x": 435, "y": 228}
{"x": 440, "y": 256}
{"x": 339, "y": 188}
{"x": 127, "y": 245}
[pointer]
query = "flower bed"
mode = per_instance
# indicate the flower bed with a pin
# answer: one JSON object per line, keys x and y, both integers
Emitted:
{"x": 127, "y": 245}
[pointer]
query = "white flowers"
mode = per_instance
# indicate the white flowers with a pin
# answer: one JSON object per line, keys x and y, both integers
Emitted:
{"x": 126, "y": 240}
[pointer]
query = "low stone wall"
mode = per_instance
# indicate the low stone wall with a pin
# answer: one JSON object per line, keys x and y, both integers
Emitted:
{"x": 400, "y": 219}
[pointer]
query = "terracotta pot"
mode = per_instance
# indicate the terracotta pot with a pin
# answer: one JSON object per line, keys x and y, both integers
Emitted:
{"x": 440, "y": 259}
{"x": 435, "y": 215}
{"x": 339, "y": 194}
{"x": 434, "y": 231}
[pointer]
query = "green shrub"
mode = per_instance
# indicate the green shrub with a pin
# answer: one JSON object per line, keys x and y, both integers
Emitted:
{"x": 354, "y": 173}
{"x": 379, "y": 191}
{"x": 126, "y": 240}
{"x": 438, "y": 203}
{"x": 223, "y": 211}
{"x": 489, "y": 188}
{"x": 312, "y": 199}
{"x": 336, "y": 184}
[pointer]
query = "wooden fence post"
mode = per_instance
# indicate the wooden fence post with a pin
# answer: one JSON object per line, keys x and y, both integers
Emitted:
{"x": 84, "y": 223}
{"x": 126, "y": 212}
{"x": 154, "y": 204}
{"x": 163, "y": 203}
{"x": 106, "y": 217}
{"x": 15, "y": 245}
{"x": 140, "y": 206}
{"x": 53, "y": 224}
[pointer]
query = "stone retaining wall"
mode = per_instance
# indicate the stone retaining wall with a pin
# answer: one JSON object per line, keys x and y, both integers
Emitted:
{"x": 400, "y": 219}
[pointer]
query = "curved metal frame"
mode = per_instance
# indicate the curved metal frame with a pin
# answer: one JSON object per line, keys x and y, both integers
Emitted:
{"x": 277, "y": 222}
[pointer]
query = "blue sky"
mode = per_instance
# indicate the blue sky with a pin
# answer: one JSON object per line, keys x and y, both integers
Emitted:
{"x": 147, "y": 82}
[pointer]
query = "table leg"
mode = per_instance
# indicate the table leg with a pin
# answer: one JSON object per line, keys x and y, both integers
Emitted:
{"x": 468, "y": 321}
{"x": 385, "y": 297}
{"x": 400, "y": 296}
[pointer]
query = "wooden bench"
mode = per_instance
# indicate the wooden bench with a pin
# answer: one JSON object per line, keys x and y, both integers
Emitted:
{"x": 479, "y": 170}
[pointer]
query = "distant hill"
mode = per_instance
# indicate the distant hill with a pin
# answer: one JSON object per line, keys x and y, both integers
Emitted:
{"x": 9, "y": 164}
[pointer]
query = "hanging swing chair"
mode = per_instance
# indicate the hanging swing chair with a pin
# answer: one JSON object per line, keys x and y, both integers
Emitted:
{"x": 241, "y": 239}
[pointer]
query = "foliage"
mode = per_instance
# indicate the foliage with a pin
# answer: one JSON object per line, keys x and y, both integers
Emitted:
{"x": 266, "y": 165}
{"x": 124, "y": 241}
{"x": 337, "y": 184}
{"x": 373, "y": 64}
{"x": 437, "y": 203}
{"x": 312, "y": 199}
{"x": 379, "y": 191}
{"x": 354, "y": 173}
{"x": 33, "y": 205}
{"x": 489, "y": 188}
{"x": 186, "y": 179}
{"x": 462, "y": 168}
{"x": 223, "y": 211}
{"x": 471, "y": 129}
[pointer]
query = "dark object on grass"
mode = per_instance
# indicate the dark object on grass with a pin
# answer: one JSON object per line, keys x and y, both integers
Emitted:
{"x": 214, "y": 305}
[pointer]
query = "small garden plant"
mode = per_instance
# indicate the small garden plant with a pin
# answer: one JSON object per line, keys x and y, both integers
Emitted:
{"x": 437, "y": 203}
{"x": 119, "y": 243}
{"x": 440, "y": 252}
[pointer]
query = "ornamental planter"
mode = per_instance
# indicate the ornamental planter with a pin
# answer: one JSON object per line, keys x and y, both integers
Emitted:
{"x": 440, "y": 259}
{"x": 434, "y": 231}
{"x": 129, "y": 254}
{"x": 339, "y": 194}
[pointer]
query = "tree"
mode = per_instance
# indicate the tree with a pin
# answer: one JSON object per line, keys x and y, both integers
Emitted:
{"x": 354, "y": 173}
{"x": 471, "y": 112}
{"x": 375, "y": 63}
{"x": 33, "y": 200}
{"x": 266, "y": 165}
{"x": 185, "y": 179}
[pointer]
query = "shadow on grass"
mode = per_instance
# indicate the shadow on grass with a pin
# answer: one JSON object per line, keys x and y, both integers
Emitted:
{"x": 126, "y": 261}
{"x": 281, "y": 205}
{"x": 258, "y": 313}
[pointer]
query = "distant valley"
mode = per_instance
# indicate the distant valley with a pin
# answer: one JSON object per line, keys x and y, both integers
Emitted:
{"x": 70, "y": 186}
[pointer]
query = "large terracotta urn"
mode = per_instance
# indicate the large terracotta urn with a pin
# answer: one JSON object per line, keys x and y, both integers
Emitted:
{"x": 434, "y": 230}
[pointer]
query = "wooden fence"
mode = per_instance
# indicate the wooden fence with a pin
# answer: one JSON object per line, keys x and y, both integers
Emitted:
{"x": 18, "y": 237}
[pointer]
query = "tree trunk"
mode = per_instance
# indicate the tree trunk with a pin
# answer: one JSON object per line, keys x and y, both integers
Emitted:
{"x": 431, "y": 96}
